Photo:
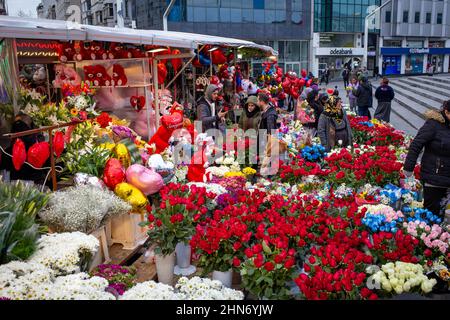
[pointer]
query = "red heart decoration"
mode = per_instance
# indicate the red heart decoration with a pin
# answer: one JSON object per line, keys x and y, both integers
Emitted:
{"x": 114, "y": 173}
{"x": 58, "y": 143}
{"x": 134, "y": 101}
{"x": 218, "y": 57}
{"x": 162, "y": 73}
{"x": 19, "y": 154}
{"x": 140, "y": 103}
{"x": 38, "y": 154}
{"x": 176, "y": 63}
{"x": 173, "y": 121}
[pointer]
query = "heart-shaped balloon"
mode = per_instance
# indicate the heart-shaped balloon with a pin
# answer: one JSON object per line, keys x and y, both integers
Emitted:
{"x": 145, "y": 179}
{"x": 162, "y": 72}
{"x": 132, "y": 195}
{"x": 218, "y": 57}
{"x": 173, "y": 121}
{"x": 176, "y": 63}
{"x": 38, "y": 154}
{"x": 303, "y": 73}
{"x": 113, "y": 173}
{"x": 58, "y": 143}
{"x": 19, "y": 154}
{"x": 133, "y": 101}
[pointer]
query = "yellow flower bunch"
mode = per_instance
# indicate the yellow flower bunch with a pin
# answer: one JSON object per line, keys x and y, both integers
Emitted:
{"x": 248, "y": 171}
{"x": 233, "y": 174}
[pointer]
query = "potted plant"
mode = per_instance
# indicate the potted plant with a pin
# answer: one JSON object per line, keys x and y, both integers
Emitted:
{"x": 173, "y": 222}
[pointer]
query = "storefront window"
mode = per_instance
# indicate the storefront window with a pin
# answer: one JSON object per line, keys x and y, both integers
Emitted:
{"x": 414, "y": 43}
{"x": 414, "y": 64}
{"x": 436, "y": 44}
{"x": 392, "y": 43}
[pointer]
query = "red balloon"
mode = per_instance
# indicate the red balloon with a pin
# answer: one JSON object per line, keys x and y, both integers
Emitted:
{"x": 304, "y": 73}
{"x": 295, "y": 93}
{"x": 214, "y": 80}
{"x": 38, "y": 154}
{"x": 279, "y": 71}
{"x": 114, "y": 173}
{"x": 230, "y": 57}
{"x": 196, "y": 63}
{"x": 162, "y": 73}
{"x": 308, "y": 83}
{"x": 218, "y": 57}
{"x": 19, "y": 154}
{"x": 176, "y": 63}
{"x": 301, "y": 83}
{"x": 330, "y": 91}
{"x": 58, "y": 143}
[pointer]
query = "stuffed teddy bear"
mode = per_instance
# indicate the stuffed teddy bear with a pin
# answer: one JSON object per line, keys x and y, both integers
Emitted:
{"x": 117, "y": 51}
{"x": 66, "y": 52}
{"x": 80, "y": 53}
{"x": 137, "y": 53}
{"x": 97, "y": 52}
{"x": 104, "y": 79}
{"x": 119, "y": 78}
{"x": 197, "y": 168}
{"x": 65, "y": 75}
{"x": 169, "y": 123}
{"x": 89, "y": 75}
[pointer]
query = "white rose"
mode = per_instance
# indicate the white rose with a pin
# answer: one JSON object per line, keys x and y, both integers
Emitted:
{"x": 398, "y": 289}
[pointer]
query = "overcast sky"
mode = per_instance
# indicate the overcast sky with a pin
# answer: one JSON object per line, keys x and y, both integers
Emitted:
{"x": 26, "y": 5}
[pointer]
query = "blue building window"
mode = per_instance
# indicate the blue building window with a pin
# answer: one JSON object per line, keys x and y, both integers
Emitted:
{"x": 258, "y": 4}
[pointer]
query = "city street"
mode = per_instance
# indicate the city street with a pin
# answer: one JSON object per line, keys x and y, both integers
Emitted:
{"x": 414, "y": 95}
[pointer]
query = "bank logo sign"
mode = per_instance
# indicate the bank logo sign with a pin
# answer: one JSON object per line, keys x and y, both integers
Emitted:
{"x": 419, "y": 50}
{"x": 341, "y": 52}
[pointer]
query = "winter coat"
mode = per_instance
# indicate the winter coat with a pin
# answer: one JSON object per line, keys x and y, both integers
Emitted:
{"x": 434, "y": 136}
{"x": 246, "y": 123}
{"x": 268, "y": 120}
{"x": 363, "y": 95}
{"x": 384, "y": 93}
{"x": 204, "y": 114}
{"x": 318, "y": 109}
{"x": 327, "y": 127}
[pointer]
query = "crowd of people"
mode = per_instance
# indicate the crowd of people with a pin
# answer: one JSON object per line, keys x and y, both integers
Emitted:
{"x": 260, "y": 112}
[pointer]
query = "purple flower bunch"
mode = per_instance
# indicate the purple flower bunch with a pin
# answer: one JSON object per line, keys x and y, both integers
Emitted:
{"x": 120, "y": 278}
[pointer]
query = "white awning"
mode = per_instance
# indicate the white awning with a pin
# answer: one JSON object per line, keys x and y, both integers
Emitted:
{"x": 28, "y": 28}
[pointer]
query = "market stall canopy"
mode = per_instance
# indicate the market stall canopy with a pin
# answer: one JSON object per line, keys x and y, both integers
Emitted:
{"x": 28, "y": 28}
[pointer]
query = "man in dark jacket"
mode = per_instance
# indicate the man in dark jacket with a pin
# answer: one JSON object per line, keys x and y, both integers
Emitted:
{"x": 345, "y": 77}
{"x": 364, "y": 97}
{"x": 206, "y": 109}
{"x": 434, "y": 136}
{"x": 385, "y": 95}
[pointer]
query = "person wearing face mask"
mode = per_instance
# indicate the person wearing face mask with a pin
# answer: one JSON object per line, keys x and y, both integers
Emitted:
{"x": 334, "y": 128}
{"x": 206, "y": 109}
{"x": 434, "y": 138}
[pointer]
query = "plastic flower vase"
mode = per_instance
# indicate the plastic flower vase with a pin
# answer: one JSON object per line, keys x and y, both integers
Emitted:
{"x": 165, "y": 266}
{"x": 224, "y": 277}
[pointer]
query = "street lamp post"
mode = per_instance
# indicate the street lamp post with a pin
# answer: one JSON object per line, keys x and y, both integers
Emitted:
{"x": 366, "y": 30}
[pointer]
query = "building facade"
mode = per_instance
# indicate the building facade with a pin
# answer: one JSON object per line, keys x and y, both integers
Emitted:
{"x": 58, "y": 9}
{"x": 415, "y": 34}
{"x": 338, "y": 35}
{"x": 283, "y": 24}
{"x": 104, "y": 12}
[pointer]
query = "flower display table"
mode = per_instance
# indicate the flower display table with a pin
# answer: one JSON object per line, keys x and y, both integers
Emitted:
{"x": 125, "y": 230}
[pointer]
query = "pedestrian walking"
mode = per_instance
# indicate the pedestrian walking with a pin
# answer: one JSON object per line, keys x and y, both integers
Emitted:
{"x": 327, "y": 75}
{"x": 383, "y": 67}
{"x": 345, "y": 76}
{"x": 351, "y": 97}
{"x": 434, "y": 137}
{"x": 384, "y": 94}
{"x": 364, "y": 97}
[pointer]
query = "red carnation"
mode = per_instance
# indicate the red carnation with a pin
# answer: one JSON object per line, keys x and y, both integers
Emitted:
{"x": 340, "y": 175}
{"x": 236, "y": 262}
{"x": 269, "y": 266}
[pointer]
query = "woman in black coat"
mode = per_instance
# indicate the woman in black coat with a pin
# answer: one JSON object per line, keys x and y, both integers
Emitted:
{"x": 434, "y": 136}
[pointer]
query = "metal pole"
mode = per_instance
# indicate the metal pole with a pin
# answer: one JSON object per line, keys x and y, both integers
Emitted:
{"x": 166, "y": 14}
{"x": 120, "y": 22}
{"x": 155, "y": 81}
{"x": 52, "y": 159}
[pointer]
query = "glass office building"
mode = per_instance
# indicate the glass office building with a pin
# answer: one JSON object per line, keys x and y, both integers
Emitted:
{"x": 341, "y": 15}
{"x": 283, "y": 24}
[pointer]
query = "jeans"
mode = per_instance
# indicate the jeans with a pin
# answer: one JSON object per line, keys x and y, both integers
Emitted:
{"x": 432, "y": 198}
{"x": 364, "y": 112}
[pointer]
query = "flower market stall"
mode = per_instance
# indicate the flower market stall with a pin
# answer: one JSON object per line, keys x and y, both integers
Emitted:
{"x": 343, "y": 224}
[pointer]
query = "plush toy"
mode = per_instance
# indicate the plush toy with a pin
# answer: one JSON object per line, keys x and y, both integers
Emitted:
{"x": 197, "y": 168}
{"x": 97, "y": 52}
{"x": 65, "y": 75}
{"x": 137, "y": 53}
{"x": 119, "y": 78}
{"x": 137, "y": 102}
{"x": 117, "y": 51}
{"x": 80, "y": 53}
{"x": 114, "y": 173}
{"x": 169, "y": 123}
{"x": 19, "y": 154}
{"x": 40, "y": 75}
{"x": 38, "y": 154}
{"x": 90, "y": 75}
{"x": 146, "y": 180}
{"x": 65, "y": 52}
{"x": 132, "y": 195}
{"x": 104, "y": 79}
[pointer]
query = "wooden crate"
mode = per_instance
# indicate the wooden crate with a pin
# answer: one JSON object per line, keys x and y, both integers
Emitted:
{"x": 102, "y": 255}
{"x": 125, "y": 230}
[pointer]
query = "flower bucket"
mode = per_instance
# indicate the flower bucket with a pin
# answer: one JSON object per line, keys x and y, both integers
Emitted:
{"x": 224, "y": 277}
{"x": 183, "y": 252}
{"x": 164, "y": 268}
{"x": 360, "y": 202}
